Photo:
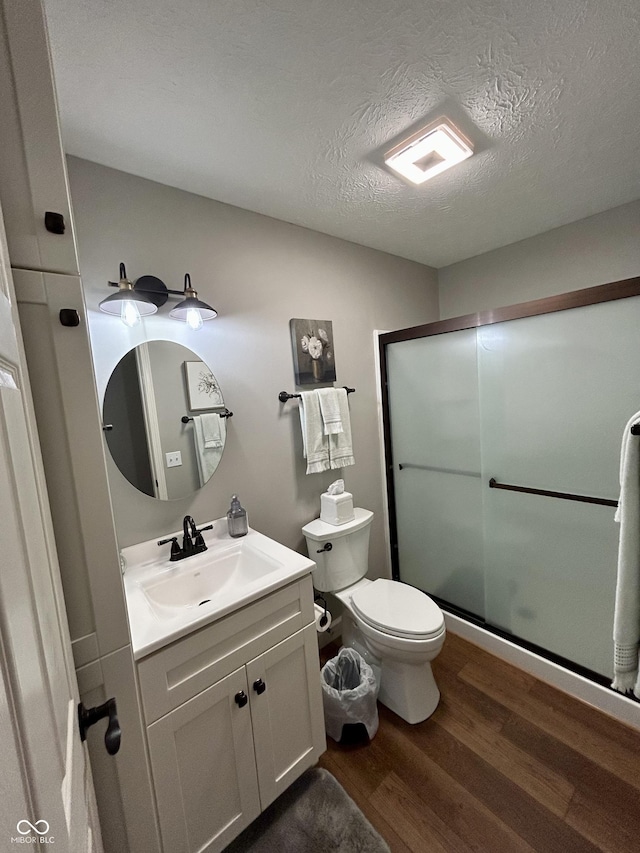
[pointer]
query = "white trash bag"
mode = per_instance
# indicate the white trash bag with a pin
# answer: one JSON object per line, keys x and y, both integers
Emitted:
{"x": 349, "y": 693}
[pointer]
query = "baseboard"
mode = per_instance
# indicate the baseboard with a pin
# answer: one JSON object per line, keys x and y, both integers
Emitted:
{"x": 608, "y": 701}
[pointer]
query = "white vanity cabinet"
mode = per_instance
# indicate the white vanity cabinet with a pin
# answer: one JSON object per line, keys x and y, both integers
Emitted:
{"x": 234, "y": 715}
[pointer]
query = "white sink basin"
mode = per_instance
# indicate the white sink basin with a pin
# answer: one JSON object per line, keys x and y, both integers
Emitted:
{"x": 167, "y": 600}
{"x": 199, "y": 580}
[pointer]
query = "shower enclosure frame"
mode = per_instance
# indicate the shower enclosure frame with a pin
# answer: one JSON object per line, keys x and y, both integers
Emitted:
{"x": 562, "y": 302}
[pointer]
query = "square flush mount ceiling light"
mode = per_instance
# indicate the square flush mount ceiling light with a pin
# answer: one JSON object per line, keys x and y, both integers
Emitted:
{"x": 431, "y": 150}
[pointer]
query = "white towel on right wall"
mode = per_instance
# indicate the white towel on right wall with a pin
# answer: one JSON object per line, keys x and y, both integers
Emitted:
{"x": 626, "y": 622}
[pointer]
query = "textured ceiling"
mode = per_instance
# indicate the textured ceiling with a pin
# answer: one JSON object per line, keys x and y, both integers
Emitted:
{"x": 286, "y": 107}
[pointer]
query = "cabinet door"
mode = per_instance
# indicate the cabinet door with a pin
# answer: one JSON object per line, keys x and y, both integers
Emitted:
{"x": 204, "y": 769}
{"x": 33, "y": 175}
{"x": 286, "y": 709}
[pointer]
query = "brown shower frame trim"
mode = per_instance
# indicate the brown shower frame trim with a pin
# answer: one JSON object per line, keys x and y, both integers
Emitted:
{"x": 562, "y": 302}
{"x": 549, "y": 305}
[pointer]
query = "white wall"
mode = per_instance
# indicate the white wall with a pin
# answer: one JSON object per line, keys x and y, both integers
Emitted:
{"x": 593, "y": 251}
{"x": 258, "y": 273}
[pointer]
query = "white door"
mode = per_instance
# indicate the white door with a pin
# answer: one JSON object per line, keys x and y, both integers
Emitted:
{"x": 45, "y": 783}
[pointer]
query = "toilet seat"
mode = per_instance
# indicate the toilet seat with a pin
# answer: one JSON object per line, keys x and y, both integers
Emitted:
{"x": 398, "y": 610}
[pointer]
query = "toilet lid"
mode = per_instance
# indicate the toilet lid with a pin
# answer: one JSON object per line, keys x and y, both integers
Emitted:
{"x": 398, "y": 609}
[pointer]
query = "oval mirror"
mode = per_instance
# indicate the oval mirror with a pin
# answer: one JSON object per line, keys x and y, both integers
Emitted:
{"x": 162, "y": 419}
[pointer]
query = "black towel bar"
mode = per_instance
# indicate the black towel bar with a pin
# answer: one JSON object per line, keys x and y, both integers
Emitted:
{"x": 226, "y": 414}
{"x": 283, "y": 396}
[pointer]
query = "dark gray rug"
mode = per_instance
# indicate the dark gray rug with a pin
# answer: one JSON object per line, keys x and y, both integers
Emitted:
{"x": 315, "y": 815}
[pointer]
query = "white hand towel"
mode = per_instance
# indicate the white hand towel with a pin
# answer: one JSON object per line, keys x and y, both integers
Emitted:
{"x": 340, "y": 446}
{"x": 207, "y": 458}
{"x": 211, "y": 429}
{"x": 315, "y": 446}
{"x": 330, "y": 410}
{"x": 626, "y": 622}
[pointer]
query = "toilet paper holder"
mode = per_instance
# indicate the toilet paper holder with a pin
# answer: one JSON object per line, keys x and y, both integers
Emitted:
{"x": 324, "y": 618}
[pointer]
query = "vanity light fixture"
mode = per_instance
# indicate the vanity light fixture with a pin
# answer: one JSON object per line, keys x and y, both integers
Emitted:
{"x": 128, "y": 304}
{"x": 430, "y": 151}
{"x": 191, "y": 310}
{"x": 147, "y": 294}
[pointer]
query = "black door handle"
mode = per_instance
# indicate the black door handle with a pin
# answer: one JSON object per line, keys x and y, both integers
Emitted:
{"x": 259, "y": 686}
{"x": 241, "y": 699}
{"x": 88, "y": 716}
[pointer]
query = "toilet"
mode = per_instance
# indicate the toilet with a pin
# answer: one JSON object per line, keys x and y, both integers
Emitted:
{"x": 396, "y": 627}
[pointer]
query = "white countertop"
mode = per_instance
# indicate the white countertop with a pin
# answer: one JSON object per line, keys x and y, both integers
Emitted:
{"x": 155, "y": 620}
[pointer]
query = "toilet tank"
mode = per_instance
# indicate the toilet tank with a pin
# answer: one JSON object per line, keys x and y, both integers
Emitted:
{"x": 347, "y": 558}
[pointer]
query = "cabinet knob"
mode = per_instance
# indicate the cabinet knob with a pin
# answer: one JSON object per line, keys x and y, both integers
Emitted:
{"x": 241, "y": 699}
{"x": 54, "y": 222}
{"x": 259, "y": 686}
{"x": 69, "y": 317}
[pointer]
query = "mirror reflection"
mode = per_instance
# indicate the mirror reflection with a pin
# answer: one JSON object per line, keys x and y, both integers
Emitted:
{"x": 163, "y": 417}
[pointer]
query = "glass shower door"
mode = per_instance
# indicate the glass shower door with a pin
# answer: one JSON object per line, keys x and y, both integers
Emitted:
{"x": 538, "y": 403}
{"x": 435, "y": 440}
{"x": 555, "y": 393}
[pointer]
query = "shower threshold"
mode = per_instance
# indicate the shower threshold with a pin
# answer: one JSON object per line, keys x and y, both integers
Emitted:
{"x": 540, "y": 651}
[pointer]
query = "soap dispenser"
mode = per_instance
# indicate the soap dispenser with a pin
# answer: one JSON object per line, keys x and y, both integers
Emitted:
{"x": 237, "y": 519}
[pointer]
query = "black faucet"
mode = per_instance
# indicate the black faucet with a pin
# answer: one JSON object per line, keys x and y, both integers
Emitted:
{"x": 192, "y": 540}
{"x": 188, "y": 534}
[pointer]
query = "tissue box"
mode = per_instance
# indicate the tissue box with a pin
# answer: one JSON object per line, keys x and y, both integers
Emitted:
{"x": 336, "y": 509}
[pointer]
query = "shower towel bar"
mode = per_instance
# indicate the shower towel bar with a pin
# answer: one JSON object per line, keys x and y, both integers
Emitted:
{"x": 403, "y": 465}
{"x": 226, "y": 414}
{"x": 566, "y": 496}
{"x": 283, "y": 396}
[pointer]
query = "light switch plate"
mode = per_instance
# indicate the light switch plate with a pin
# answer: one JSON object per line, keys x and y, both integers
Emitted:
{"x": 174, "y": 459}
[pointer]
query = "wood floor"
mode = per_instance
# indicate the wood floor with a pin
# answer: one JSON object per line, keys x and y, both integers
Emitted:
{"x": 506, "y": 763}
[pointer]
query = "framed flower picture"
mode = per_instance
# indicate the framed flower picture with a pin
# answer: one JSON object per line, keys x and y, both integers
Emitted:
{"x": 313, "y": 352}
{"x": 203, "y": 391}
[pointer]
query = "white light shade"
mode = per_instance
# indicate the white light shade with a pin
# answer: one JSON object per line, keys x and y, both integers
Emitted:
{"x": 430, "y": 151}
{"x": 193, "y": 311}
{"x": 129, "y": 314}
{"x": 128, "y": 305}
{"x": 193, "y": 319}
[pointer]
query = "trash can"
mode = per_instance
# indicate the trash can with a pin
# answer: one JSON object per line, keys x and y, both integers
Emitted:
{"x": 349, "y": 694}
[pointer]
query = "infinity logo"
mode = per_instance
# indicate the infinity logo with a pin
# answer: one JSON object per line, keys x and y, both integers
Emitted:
{"x": 33, "y": 827}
